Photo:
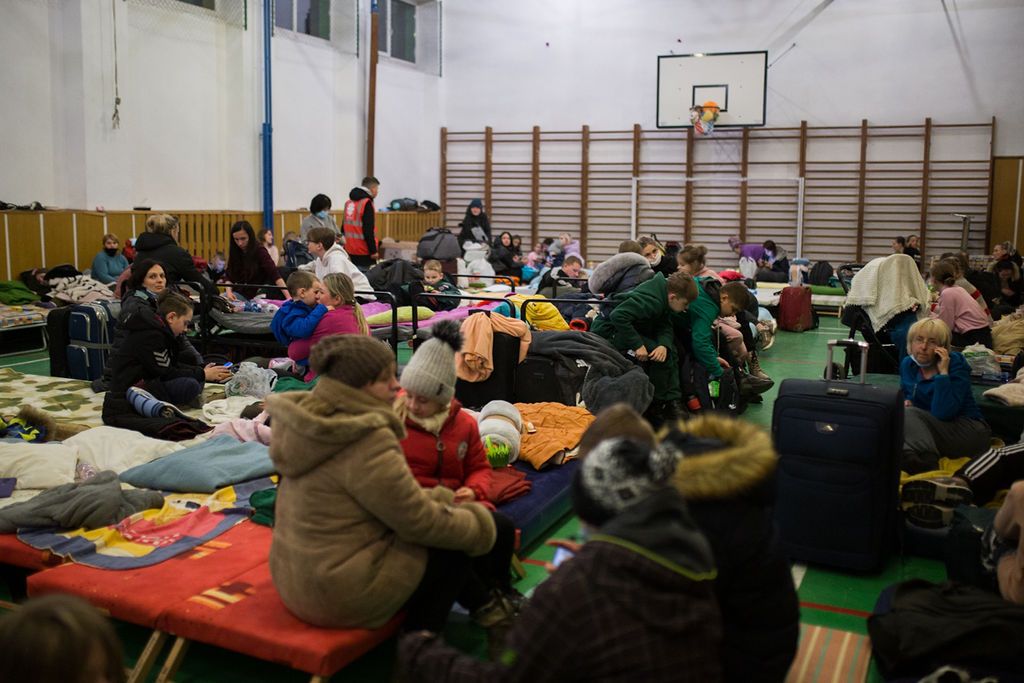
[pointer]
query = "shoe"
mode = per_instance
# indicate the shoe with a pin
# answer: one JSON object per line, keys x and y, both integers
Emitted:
{"x": 148, "y": 405}
{"x": 755, "y": 368}
{"x": 767, "y": 330}
{"x": 516, "y": 600}
{"x": 494, "y": 612}
{"x": 944, "y": 490}
{"x": 754, "y": 384}
{"x": 929, "y": 516}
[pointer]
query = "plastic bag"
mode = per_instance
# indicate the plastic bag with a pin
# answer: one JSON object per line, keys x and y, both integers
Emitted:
{"x": 251, "y": 380}
{"x": 748, "y": 268}
{"x": 982, "y": 360}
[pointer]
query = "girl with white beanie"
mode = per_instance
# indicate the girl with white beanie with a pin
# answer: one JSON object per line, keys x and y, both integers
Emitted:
{"x": 443, "y": 448}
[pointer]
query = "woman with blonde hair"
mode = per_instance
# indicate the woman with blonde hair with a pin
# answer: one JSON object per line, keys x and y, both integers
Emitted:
{"x": 941, "y": 419}
{"x": 654, "y": 252}
{"x": 160, "y": 243}
{"x": 344, "y": 316}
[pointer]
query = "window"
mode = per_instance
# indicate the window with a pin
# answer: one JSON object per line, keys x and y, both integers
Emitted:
{"x": 397, "y": 26}
{"x": 312, "y": 17}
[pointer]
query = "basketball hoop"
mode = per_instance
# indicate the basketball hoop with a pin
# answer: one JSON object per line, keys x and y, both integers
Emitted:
{"x": 703, "y": 117}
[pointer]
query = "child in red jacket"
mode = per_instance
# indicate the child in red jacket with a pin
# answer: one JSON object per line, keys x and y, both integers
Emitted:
{"x": 443, "y": 448}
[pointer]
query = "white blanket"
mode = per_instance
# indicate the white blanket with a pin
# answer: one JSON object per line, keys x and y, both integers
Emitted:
{"x": 888, "y": 286}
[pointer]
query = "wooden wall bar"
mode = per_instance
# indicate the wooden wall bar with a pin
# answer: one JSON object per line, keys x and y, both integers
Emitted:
{"x": 863, "y": 185}
{"x": 33, "y": 239}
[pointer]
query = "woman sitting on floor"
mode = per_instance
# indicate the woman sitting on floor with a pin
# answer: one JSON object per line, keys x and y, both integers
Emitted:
{"x": 941, "y": 420}
{"x": 356, "y": 539}
{"x": 249, "y": 263}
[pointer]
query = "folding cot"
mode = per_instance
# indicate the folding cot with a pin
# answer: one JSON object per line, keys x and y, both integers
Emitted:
{"x": 220, "y": 593}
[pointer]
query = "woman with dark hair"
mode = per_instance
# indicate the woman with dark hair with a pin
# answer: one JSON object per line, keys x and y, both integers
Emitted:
{"x": 147, "y": 281}
{"x": 476, "y": 227}
{"x": 1011, "y": 287}
{"x": 503, "y": 259}
{"x": 250, "y": 264}
{"x": 654, "y": 252}
{"x": 774, "y": 266}
{"x": 318, "y": 217}
{"x": 267, "y": 240}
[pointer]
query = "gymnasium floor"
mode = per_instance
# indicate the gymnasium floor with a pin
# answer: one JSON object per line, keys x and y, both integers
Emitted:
{"x": 828, "y": 599}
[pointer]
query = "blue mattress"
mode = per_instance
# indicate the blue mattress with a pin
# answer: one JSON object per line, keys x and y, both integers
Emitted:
{"x": 546, "y": 503}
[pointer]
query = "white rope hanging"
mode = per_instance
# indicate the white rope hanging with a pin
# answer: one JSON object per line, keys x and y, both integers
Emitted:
{"x": 115, "y": 120}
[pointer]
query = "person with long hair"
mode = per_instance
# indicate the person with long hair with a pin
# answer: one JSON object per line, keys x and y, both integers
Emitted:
{"x": 160, "y": 243}
{"x": 958, "y": 309}
{"x": 344, "y": 316}
{"x": 250, "y": 264}
{"x": 267, "y": 240}
{"x": 654, "y": 252}
{"x": 503, "y": 259}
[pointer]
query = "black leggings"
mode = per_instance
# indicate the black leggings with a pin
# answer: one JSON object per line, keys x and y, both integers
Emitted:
{"x": 452, "y": 575}
{"x": 981, "y": 335}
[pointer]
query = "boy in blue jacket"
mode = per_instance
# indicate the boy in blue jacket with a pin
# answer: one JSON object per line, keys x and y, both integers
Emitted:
{"x": 297, "y": 318}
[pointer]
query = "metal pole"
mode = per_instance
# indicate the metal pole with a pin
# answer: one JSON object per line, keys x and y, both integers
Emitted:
{"x": 267, "y": 132}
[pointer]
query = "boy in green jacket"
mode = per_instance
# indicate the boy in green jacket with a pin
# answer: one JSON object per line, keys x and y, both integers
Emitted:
{"x": 643, "y": 323}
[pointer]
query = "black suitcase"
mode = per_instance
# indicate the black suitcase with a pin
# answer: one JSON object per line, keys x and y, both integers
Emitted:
{"x": 838, "y": 477}
{"x": 90, "y": 335}
{"x": 540, "y": 379}
{"x": 57, "y": 340}
{"x": 501, "y": 385}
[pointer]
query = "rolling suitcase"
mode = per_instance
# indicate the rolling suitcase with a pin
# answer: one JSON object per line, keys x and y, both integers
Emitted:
{"x": 839, "y": 445}
{"x": 90, "y": 333}
{"x": 501, "y": 385}
{"x": 795, "y": 311}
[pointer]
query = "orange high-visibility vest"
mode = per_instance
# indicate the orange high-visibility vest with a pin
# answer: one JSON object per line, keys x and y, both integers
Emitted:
{"x": 352, "y": 228}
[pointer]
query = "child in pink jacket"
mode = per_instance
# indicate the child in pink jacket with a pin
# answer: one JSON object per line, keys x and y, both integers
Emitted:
{"x": 344, "y": 316}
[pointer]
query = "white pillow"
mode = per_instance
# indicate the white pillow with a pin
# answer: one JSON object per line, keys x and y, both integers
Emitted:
{"x": 112, "y": 448}
{"x": 38, "y": 465}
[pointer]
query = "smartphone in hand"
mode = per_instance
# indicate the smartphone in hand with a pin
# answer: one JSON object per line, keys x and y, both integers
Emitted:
{"x": 561, "y": 555}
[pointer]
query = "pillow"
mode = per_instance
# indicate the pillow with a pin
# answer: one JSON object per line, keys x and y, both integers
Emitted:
{"x": 38, "y": 465}
{"x": 404, "y": 315}
{"x": 219, "y": 462}
{"x": 112, "y": 448}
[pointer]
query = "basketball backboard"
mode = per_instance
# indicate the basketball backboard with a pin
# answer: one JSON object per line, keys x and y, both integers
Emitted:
{"x": 736, "y": 81}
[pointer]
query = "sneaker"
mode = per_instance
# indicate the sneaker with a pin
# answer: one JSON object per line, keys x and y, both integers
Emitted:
{"x": 754, "y": 384}
{"x": 929, "y": 516}
{"x": 494, "y": 612}
{"x": 944, "y": 490}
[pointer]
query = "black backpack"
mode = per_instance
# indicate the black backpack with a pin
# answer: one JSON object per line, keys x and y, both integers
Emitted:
{"x": 821, "y": 273}
{"x": 404, "y": 204}
{"x": 440, "y": 244}
{"x": 296, "y": 254}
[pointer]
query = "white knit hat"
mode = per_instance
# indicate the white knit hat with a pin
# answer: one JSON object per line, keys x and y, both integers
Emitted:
{"x": 431, "y": 371}
{"x": 501, "y": 431}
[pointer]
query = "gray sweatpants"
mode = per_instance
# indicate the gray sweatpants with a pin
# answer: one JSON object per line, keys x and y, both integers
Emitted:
{"x": 926, "y": 438}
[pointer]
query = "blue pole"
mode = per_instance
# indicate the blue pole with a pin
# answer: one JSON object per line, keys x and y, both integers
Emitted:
{"x": 267, "y": 132}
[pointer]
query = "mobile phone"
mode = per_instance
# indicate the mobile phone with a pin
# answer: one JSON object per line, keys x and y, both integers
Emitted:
{"x": 227, "y": 366}
{"x": 561, "y": 555}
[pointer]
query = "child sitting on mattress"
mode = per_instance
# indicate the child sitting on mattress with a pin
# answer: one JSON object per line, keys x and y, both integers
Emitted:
{"x": 443, "y": 448}
{"x": 344, "y": 316}
{"x": 433, "y": 281}
{"x": 298, "y": 318}
{"x": 156, "y": 358}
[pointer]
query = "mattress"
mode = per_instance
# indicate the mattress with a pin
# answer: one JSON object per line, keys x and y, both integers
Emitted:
{"x": 767, "y": 295}
{"x": 547, "y": 502}
{"x": 21, "y": 316}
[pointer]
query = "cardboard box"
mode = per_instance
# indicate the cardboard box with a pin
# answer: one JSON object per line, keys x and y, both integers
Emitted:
{"x": 390, "y": 249}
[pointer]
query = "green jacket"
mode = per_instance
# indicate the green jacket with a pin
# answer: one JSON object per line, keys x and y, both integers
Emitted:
{"x": 640, "y": 316}
{"x": 697, "y": 322}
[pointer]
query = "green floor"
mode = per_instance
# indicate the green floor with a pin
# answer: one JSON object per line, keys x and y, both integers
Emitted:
{"x": 830, "y": 599}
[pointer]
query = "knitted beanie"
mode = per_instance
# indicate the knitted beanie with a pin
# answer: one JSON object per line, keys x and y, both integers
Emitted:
{"x": 352, "y": 359}
{"x": 501, "y": 428}
{"x": 431, "y": 371}
{"x": 617, "y": 474}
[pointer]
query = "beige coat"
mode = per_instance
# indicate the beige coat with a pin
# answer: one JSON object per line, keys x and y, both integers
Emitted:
{"x": 352, "y": 526}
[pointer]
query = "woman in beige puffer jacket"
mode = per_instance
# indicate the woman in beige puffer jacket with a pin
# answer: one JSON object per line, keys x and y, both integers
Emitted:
{"x": 354, "y": 533}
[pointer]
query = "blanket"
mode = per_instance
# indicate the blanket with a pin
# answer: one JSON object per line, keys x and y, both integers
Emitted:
{"x": 217, "y": 462}
{"x": 611, "y": 378}
{"x": 888, "y": 286}
{"x": 80, "y": 289}
{"x": 152, "y": 536}
{"x": 94, "y": 503}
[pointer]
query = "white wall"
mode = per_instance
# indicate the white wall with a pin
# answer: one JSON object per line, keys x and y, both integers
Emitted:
{"x": 192, "y": 88}
{"x": 563, "y": 64}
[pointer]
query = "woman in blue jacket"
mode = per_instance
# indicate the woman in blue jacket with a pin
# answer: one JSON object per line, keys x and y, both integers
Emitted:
{"x": 108, "y": 264}
{"x": 942, "y": 420}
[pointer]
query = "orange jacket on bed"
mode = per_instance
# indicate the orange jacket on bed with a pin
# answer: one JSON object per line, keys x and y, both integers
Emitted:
{"x": 474, "y": 363}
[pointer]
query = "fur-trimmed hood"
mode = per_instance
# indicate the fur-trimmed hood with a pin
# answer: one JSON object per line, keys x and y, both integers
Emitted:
{"x": 614, "y": 267}
{"x": 745, "y": 462}
{"x": 311, "y": 427}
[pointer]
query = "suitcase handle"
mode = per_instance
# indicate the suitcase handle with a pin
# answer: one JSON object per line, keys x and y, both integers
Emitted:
{"x": 848, "y": 343}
